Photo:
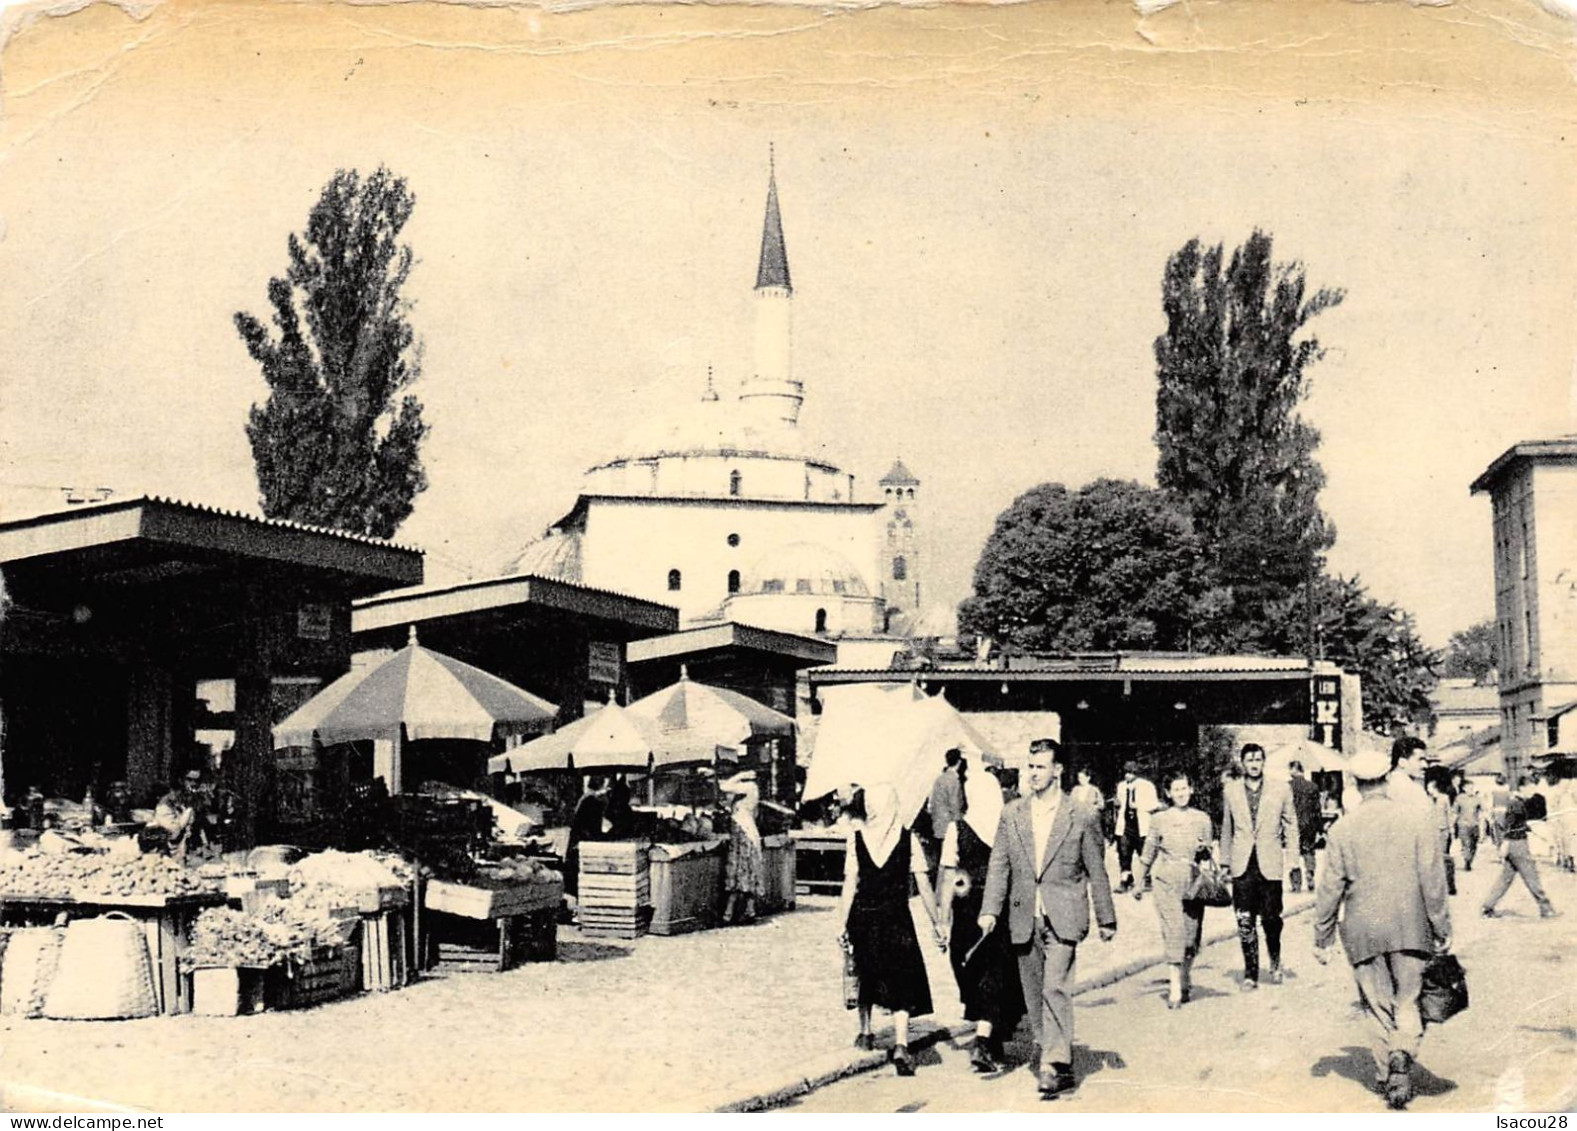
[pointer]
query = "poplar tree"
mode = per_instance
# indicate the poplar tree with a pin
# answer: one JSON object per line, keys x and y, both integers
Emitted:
{"x": 338, "y": 441}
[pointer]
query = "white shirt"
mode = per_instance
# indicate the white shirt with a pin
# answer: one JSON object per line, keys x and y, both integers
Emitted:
{"x": 1042, "y": 813}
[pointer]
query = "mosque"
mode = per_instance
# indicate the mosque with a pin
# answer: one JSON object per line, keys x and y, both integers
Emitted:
{"x": 723, "y": 512}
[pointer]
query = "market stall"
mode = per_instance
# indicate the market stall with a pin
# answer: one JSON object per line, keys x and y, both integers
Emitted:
{"x": 677, "y": 868}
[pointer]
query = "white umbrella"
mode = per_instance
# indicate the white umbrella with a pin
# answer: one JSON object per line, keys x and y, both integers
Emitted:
{"x": 612, "y": 738}
{"x": 892, "y": 740}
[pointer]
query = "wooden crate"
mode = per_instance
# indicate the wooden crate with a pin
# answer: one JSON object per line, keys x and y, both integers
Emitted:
{"x": 490, "y": 902}
{"x": 227, "y": 991}
{"x": 384, "y": 949}
{"x": 465, "y": 945}
{"x": 613, "y": 857}
{"x": 331, "y": 973}
{"x": 687, "y": 890}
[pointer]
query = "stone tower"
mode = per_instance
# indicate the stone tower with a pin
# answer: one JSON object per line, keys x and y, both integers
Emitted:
{"x": 900, "y": 549}
{"x": 771, "y": 397}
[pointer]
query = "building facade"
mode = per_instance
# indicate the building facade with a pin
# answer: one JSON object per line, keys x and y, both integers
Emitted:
{"x": 724, "y": 510}
{"x": 1533, "y": 492}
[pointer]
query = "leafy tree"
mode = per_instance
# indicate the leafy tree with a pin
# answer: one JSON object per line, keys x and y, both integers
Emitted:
{"x": 1473, "y": 653}
{"x": 336, "y": 443}
{"x": 1112, "y": 565}
{"x": 1234, "y": 452}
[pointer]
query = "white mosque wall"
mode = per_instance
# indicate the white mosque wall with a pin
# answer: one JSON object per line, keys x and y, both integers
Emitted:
{"x": 630, "y": 545}
{"x": 711, "y": 475}
{"x": 808, "y": 614}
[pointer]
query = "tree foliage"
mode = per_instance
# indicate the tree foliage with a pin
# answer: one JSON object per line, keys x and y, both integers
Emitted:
{"x": 337, "y": 443}
{"x": 1112, "y": 565}
{"x": 1231, "y": 369}
{"x": 1473, "y": 653}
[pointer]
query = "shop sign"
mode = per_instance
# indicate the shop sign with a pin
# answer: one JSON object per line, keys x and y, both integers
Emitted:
{"x": 314, "y": 622}
{"x": 1325, "y": 705}
{"x": 604, "y": 662}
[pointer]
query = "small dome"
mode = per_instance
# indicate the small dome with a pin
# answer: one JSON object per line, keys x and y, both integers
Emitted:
{"x": 556, "y": 557}
{"x": 804, "y": 568}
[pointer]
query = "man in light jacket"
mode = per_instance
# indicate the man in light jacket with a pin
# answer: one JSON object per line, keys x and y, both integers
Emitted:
{"x": 1135, "y": 799}
{"x": 1047, "y": 865}
{"x": 1258, "y": 827}
{"x": 1383, "y": 865}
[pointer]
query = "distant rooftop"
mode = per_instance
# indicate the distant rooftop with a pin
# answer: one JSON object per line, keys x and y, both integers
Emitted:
{"x": 1559, "y": 449}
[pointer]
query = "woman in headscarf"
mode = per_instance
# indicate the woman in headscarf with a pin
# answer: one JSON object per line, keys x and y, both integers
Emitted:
{"x": 986, "y": 971}
{"x": 1179, "y": 836}
{"x": 744, "y": 874}
{"x": 878, "y": 927}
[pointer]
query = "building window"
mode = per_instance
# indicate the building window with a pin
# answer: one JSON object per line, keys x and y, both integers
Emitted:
{"x": 772, "y": 585}
{"x": 674, "y": 581}
{"x": 802, "y": 585}
{"x": 733, "y": 539}
{"x": 821, "y": 620}
{"x": 733, "y": 581}
{"x": 734, "y": 481}
{"x": 900, "y": 569}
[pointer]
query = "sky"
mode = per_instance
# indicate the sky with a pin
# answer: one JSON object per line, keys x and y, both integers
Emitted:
{"x": 977, "y": 203}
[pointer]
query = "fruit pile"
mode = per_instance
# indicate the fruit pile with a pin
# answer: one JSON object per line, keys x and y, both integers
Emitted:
{"x": 93, "y": 875}
{"x": 222, "y": 937}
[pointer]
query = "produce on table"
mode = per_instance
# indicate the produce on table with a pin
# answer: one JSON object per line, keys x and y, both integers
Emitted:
{"x": 353, "y": 871}
{"x": 281, "y": 932}
{"x": 93, "y": 875}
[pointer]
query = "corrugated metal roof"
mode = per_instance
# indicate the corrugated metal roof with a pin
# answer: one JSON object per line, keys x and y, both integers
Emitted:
{"x": 204, "y": 508}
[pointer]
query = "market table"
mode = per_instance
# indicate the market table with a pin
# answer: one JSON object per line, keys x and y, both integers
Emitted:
{"x": 819, "y": 853}
{"x": 687, "y": 885}
{"x": 166, "y": 922}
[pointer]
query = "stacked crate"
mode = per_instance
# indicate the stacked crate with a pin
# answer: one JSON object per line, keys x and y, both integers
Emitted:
{"x": 384, "y": 946}
{"x": 615, "y": 888}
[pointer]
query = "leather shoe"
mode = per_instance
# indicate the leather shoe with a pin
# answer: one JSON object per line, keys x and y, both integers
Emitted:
{"x": 1055, "y": 1081}
{"x": 1399, "y": 1083}
{"x": 981, "y": 1059}
{"x": 902, "y": 1061}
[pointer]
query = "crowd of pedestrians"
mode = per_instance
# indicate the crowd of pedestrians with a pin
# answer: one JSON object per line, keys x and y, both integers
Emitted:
{"x": 1020, "y": 879}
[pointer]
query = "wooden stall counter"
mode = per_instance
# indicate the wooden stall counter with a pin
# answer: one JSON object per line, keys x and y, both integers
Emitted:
{"x": 687, "y": 885}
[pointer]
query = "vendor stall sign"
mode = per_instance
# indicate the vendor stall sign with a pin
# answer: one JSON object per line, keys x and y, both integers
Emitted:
{"x": 604, "y": 662}
{"x": 314, "y": 621}
{"x": 1326, "y": 711}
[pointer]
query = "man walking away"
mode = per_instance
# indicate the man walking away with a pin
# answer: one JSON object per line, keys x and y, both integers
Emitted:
{"x": 1383, "y": 865}
{"x": 1050, "y": 857}
{"x": 1258, "y": 825}
{"x": 1306, "y": 806}
{"x": 1468, "y": 811}
{"x": 945, "y": 806}
{"x": 1136, "y": 800}
{"x": 1516, "y": 860}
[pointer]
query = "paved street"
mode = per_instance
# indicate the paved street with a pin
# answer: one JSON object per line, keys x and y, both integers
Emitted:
{"x": 678, "y": 1024}
{"x": 1298, "y": 1047}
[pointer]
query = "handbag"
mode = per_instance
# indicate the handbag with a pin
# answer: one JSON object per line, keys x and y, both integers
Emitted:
{"x": 1445, "y": 989}
{"x": 1207, "y": 885}
{"x": 851, "y": 980}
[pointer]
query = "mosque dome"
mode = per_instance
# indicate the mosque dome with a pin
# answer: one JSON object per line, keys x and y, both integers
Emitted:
{"x": 804, "y": 568}
{"x": 709, "y": 426}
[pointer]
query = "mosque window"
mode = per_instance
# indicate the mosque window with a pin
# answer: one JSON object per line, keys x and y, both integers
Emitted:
{"x": 900, "y": 569}
{"x": 733, "y": 581}
{"x": 733, "y": 539}
{"x": 674, "y": 580}
{"x": 821, "y": 620}
{"x": 734, "y": 481}
{"x": 837, "y": 585}
{"x": 772, "y": 585}
{"x": 802, "y": 585}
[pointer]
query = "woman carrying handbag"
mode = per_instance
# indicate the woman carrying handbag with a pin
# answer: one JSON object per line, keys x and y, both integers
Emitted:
{"x": 1179, "y": 836}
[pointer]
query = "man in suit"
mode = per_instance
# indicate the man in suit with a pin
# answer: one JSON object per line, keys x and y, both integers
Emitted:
{"x": 1047, "y": 864}
{"x": 1135, "y": 799}
{"x": 1384, "y": 865}
{"x": 1258, "y": 825}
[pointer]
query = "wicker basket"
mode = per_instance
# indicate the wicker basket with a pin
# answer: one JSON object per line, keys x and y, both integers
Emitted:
{"x": 32, "y": 956}
{"x": 105, "y": 972}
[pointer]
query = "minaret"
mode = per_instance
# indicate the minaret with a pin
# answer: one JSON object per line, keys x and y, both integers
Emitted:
{"x": 771, "y": 396}
{"x": 900, "y": 549}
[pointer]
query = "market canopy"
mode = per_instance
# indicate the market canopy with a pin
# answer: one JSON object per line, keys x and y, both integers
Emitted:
{"x": 890, "y": 738}
{"x": 426, "y": 693}
{"x": 611, "y": 738}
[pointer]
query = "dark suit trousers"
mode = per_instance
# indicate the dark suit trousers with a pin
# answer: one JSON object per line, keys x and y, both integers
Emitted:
{"x": 1045, "y": 970}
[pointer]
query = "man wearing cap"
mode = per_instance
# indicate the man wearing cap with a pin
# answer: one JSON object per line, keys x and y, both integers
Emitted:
{"x": 1136, "y": 799}
{"x": 1048, "y": 864}
{"x": 1259, "y": 826}
{"x": 1383, "y": 865}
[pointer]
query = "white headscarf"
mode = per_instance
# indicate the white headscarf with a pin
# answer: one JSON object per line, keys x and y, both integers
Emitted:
{"x": 882, "y": 826}
{"x": 984, "y": 794}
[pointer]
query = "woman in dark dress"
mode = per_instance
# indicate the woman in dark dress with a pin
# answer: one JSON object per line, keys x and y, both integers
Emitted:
{"x": 878, "y": 927}
{"x": 986, "y": 972}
